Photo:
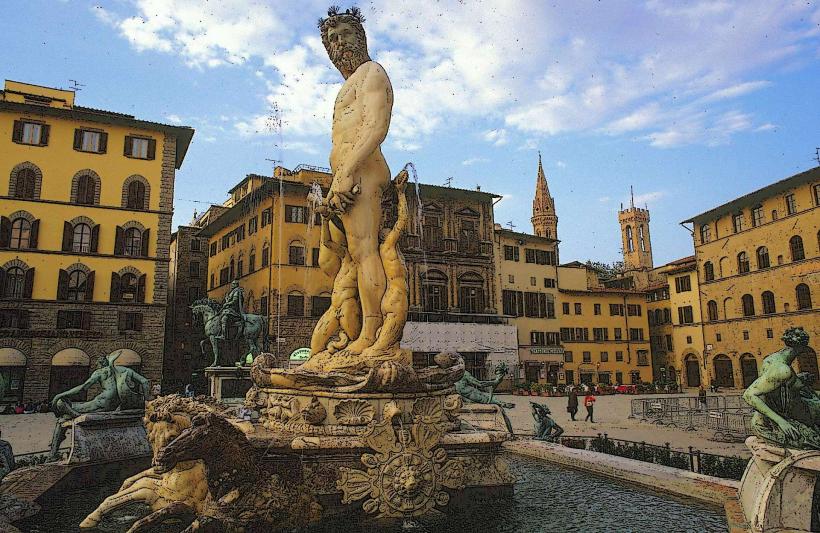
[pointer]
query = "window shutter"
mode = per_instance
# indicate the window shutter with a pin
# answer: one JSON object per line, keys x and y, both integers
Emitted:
{"x": 5, "y": 232}
{"x": 128, "y": 146}
{"x": 145, "y": 238}
{"x": 61, "y": 319}
{"x": 152, "y": 148}
{"x": 138, "y": 321}
{"x": 62, "y": 285}
{"x": 17, "y": 133}
{"x": 68, "y": 236}
{"x": 141, "y": 289}
{"x": 23, "y": 319}
{"x": 103, "y": 142}
{"x": 86, "y": 320}
{"x": 119, "y": 241}
{"x": 520, "y": 299}
{"x": 115, "y": 287}
{"x": 89, "y": 287}
{"x": 2, "y": 282}
{"x": 35, "y": 232}
{"x": 28, "y": 284}
{"x": 95, "y": 238}
{"x": 78, "y": 139}
{"x": 44, "y": 135}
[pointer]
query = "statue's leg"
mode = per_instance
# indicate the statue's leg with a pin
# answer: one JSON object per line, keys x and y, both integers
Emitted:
{"x": 56, "y": 439}
{"x": 142, "y": 491}
{"x": 557, "y": 432}
{"x": 179, "y": 510}
{"x": 215, "y": 347}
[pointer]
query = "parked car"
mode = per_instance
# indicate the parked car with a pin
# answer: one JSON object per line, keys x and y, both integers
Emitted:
{"x": 626, "y": 389}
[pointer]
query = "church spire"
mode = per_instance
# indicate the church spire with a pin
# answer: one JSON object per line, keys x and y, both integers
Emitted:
{"x": 544, "y": 219}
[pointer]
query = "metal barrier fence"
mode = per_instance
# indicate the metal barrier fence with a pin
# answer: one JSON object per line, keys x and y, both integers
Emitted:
{"x": 728, "y": 416}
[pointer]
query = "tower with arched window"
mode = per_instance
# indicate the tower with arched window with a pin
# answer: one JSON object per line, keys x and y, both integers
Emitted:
{"x": 637, "y": 245}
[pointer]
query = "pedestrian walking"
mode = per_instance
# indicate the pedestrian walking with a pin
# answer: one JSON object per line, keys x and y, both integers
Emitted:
{"x": 589, "y": 403}
{"x": 572, "y": 403}
{"x": 702, "y": 396}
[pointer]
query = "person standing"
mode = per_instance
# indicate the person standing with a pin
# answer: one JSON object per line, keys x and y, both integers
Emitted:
{"x": 589, "y": 402}
{"x": 702, "y": 396}
{"x": 572, "y": 403}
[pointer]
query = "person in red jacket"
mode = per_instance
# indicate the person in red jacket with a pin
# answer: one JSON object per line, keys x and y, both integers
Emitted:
{"x": 589, "y": 402}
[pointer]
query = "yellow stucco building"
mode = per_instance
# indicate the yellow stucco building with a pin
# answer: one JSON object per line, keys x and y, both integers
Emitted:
{"x": 758, "y": 265}
{"x": 84, "y": 236}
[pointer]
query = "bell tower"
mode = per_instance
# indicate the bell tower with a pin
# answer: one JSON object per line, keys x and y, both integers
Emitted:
{"x": 637, "y": 245}
{"x": 544, "y": 220}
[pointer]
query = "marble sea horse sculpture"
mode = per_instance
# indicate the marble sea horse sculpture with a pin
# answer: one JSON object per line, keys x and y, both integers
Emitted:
{"x": 356, "y": 343}
{"x": 787, "y": 408}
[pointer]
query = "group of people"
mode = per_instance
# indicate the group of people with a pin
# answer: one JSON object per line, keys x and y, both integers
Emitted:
{"x": 27, "y": 408}
{"x": 572, "y": 404}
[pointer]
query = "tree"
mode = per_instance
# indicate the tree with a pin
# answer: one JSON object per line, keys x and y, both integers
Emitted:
{"x": 605, "y": 270}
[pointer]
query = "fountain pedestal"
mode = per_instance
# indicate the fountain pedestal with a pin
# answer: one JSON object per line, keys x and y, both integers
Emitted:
{"x": 779, "y": 488}
{"x": 103, "y": 437}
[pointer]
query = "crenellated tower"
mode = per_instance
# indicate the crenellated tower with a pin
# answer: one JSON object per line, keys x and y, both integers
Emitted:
{"x": 637, "y": 245}
{"x": 544, "y": 220}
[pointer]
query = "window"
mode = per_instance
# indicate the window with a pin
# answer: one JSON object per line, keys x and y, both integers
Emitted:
{"x": 296, "y": 305}
{"x": 14, "y": 319}
{"x": 816, "y": 190}
{"x": 604, "y": 357}
{"x": 77, "y": 284}
{"x": 643, "y": 358}
{"x": 596, "y": 309}
{"x": 32, "y": 133}
{"x": 225, "y": 242}
{"x": 194, "y": 294}
{"x": 635, "y": 334}
{"x": 73, "y": 319}
{"x": 265, "y": 255}
{"x": 587, "y": 357}
{"x": 763, "y": 257}
{"x": 553, "y": 338}
{"x": 669, "y": 343}
{"x": 294, "y": 213}
{"x": 139, "y": 148}
{"x": 600, "y": 334}
{"x": 133, "y": 242}
{"x": 432, "y": 237}
{"x": 791, "y": 204}
{"x": 712, "y": 310}
{"x": 296, "y": 255}
{"x": 213, "y": 280}
{"x": 748, "y": 305}
{"x": 319, "y": 304}
{"x": 20, "y": 234}
{"x": 630, "y": 243}
{"x": 578, "y": 309}
{"x": 468, "y": 241}
{"x": 737, "y": 222}
{"x": 768, "y": 303}
{"x": 253, "y": 225}
{"x": 770, "y": 333}
{"x": 745, "y": 335}
{"x": 224, "y": 276}
{"x": 90, "y": 141}
{"x": 212, "y": 251}
{"x": 708, "y": 271}
{"x": 314, "y": 256}
{"x": 434, "y": 294}
{"x": 128, "y": 287}
{"x": 86, "y": 190}
{"x": 619, "y": 356}
{"x": 565, "y": 308}
{"x": 263, "y": 305}
{"x": 511, "y": 253}
{"x": 803, "y": 296}
{"x": 252, "y": 261}
{"x": 266, "y": 217}
{"x": 685, "y": 315}
{"x": 193, "y": 269}
{"x": 642, "y": 238}
{"x": 15, "y": 283}
{"x": 25, "y": 183}
{"x": 471, "y": 299}
{"x": 705, "y": 233}
{"x": 81, "y": 241}
{"x": 135, "y": 196}
{"x": 533, "y": 281}
{"x": 240, "y": 267}
{"x": 742, "y": 263}
{"x": 757, "y": 216}
{"x": 633, "y": 310}
{"x": 512, "y": 303}
{"x": 535, "y": 305}
{"x": 618, "y": 333}
{"x": 796, "y": 247}
{"x": 538, "y": 338}
{"x": 567, "y": 356}
{"x": 128, "y": 321}
{"x": 616, "y": 310}
{"x": 195, "y": 245}
{"x": 683, "y": 284}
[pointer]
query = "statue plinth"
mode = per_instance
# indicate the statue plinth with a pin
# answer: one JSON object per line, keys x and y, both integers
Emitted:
{"x": 112, "y": 436}
{"x": 777, "y": 492}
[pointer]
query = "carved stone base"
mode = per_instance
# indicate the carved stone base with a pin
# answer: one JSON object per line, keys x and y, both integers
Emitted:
{"x": 778, "y": 490}
{"x": 102, "y": 437}
{"x": 228, "y": 384}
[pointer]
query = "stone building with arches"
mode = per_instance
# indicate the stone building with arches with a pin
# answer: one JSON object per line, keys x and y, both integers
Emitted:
{"x": 85, "y": 218}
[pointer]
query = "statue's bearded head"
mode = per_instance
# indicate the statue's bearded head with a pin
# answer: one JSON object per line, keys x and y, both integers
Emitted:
{"x": 344, "y": 39}
{"x": 796, "y": 337}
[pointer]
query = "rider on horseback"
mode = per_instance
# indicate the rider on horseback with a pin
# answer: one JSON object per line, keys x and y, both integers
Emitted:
{"x": 232, "y": 310}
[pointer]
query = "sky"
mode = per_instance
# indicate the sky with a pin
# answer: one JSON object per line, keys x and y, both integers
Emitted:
{"x": 691, "y": 103}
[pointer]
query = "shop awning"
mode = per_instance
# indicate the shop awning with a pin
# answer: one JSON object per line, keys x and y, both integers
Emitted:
{"x": 12, "y": 357}
{"x": 70, "y": 357}
{"x": 128, "y": 357}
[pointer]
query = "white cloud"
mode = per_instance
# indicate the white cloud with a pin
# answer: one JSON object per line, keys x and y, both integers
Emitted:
{"x": 736, "y": 90}
{"x": 560, "y": 164}
{"x": 529, "y": 144}
{"x": 174, "y": 119}
{"x": 474, "y": 160}
{"x": 406, "y": 146}
{"x": 766, "y": 127}
{"x": 647, "y": 198}
{"x": 495, "y": 137}
{"x": 604, "y": 199}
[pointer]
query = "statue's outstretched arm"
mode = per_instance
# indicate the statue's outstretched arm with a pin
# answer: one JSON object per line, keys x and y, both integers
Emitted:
{"x": 94, "y": 378}
{"x": 401, "y": 222}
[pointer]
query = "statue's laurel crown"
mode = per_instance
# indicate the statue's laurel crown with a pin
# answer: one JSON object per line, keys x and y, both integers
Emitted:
{"x": 354, "y": 14}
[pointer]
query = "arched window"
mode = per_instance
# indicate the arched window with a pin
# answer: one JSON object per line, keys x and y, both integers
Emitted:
{"x": 763, "y": 257}
{"x": 642, "y": 238}
{"x": 742, "y": 263}
{"x": 15, "y": 282}
{"x": 630, "y": 243}
{"x": 25, "y": 183}
{"x": 296, "y": 304}
{"x": 81, "y": 241}
{"x": 434, "y": 291}
{"x": 728, "y": 310}
{"x": 768, "y": 303}
{"x": 296, "y": 254}
{"x": 712, "y": 310}
{"x": 748, "y": 305}
{"x": 133, "y": 242}
{"x": 252, "y": 261}
{"x": 658, "y": 316}
{"x": 265, "y": 254}
{"x": 77, "y": 283}
{"x": 86, "y": 190}
{"x": 471, "y": 294}
{"x": 708, "y": 271}
{"x": 705, "y": 233}
{"x": 796, "y": 246}
{"x": 667, "y": 316}
{"x": 232, "y": 269}
{"x": 135, "y": 195}
{"x": 803, "y": 296}
{"x": 20, "y": 233}
{"x": 128, "y": 287}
